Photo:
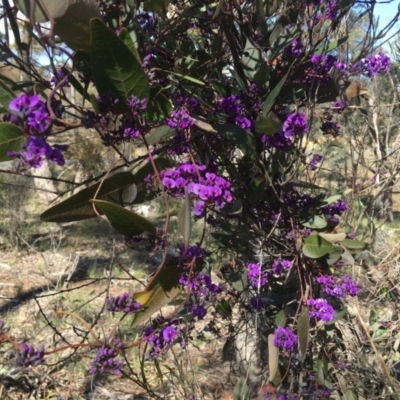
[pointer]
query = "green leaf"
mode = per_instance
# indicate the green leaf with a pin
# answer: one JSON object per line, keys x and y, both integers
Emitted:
{"x": 334, "y": 255}
{"x": 332, "y": 45}
{"x": 315, "y": 222}
{"x": 156, "y": 5}
{"x": 331, "y": 199}
{"x": 252, "y": 59}
{"x": 187, "y": 77}
{"x": 185, "y": 219}
{"x": 11, "y": 138}
{"x": 281, "y": 37}
{"x": 164, "y": 287}
{"x": 241, "y": 138}
{"x": 228, "y": 350}
{"x": 13, "y": 23}
{"x": 237, "y": 279}
{"x": 78, "y": 206}
{"x": 126, "y": 37}
{"x": 6, "y": 95}
{"x": 158, "y": 107}
{"x": 114, "y": 66}
{"x": 262, "y": 75}
{"x": 280, "y": 319}
{"x": 316, "y": 247}
{"x": 349, "y": 395}
{"x": 156, "y": 135}
{"x": 354, "y": 245}
{"x": 241, "y": 391}
{"x": 338, "y": 315}
{"x": 125, "y": 222}
{"x": 272, "y": 96}
{"x": 333, "y": 237}
{"x": 303, "y": 330}
{"x": 268, "y": 125}
{"x": 224, "y": 308}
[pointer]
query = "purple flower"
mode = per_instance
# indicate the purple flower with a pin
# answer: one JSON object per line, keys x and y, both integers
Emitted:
{"x": 295, "y": 125}
{"x": 28, "y": 356}
{"x": 336, "y": 208}
{"x": 169, "y": 334}
{"x": 122, "y": 303}
{"x": 106, "y": 359}
{"x": 256, "y": 277}
{"x": 180, "y": 119}
{"x": 136, "y": 105}
{"x": 243, "y": 122}
{"x": 319, "y": 308}
{"x": 58, "y": 78}
{"x": 285, "y": 338}
{"x": 316, "y": 159}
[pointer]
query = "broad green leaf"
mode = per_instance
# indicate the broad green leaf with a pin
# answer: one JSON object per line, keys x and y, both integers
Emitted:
{"x": 78, "y": 206}
{"x": 125, "y": 222}
{"x": 156, "y": 135}
{"x": 333, "y": 237}
{"x": 281, "y": 37}
{"x": 114, "y": 67}
{"x": 303, "y": 330}
{"x": 142, "y": 297}
{"x": 158, "y": 107}
{"x": 262, "y": 75}
{"x": 347, "y": 257}
{"x": 280, "y": 319}
{"x": 11, "y": 139}
{"x": 319, "y": 369}
{"x": 203, "y": 125}
{"x": 268, "y": 125}
{"x": 334, "y": 255}
{"x": 272, "y": 96}
{"x": 185, "y": 219}
{"x": 332, "y": 45}
{"x": 126, "y": 37}
{"x": 164, "y": 288}
{"x": 252, "y": 59}
{"x": 331, "y": 199}
{"x": 273, "y": 358}
{"x": 354, "y": 245}
{"x": 316, "y": 247}
{"x": 237, "y": 279}
{"x": 241, "y": 138}
{"x": 315, "y": 222}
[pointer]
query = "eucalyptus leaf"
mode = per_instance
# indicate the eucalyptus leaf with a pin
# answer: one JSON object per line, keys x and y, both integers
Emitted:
{"x": 125, "y": 222}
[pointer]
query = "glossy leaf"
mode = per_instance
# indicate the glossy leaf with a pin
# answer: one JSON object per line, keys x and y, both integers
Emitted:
{"x": 316, "y": 247}
{"x": 334, "y": 255}
{"x": 164, "y": 288}
{"x": 303, "y": 329}
{"x": 78, "y": 206}
{"x": 268, "y": 125}
{"x": 125, "y": 222}
{"x": 11, "y": 138}
{"x": 158, "y": 107}
{"x": 273, "y": 358}
{"x": 237, "y": 279}
{"x": 115, "y": 68}
{"x": 126, "y": 37}
{"x": 241, "y": 138}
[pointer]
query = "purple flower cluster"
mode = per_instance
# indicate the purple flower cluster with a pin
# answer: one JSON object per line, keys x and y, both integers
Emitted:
{"x": 234, "y": 109}
{"x": 330, "y": 128}
{"x": 285, "y": 338}
{"x": 373, "y": 65}
{"x": 279, "y": 266}
{"x": 295, "y": 125}
{"x": 256, "y": 277}
{"x": 29, "y": 110}
{"x": 35, "y": 151}
{"x": 160, "y": 340}
{"x": 296, "y": 47}
{"x": 322, "y": 65}
{"x": 58, "y": 78}
{"x": 106, "y": 359}
{"x": 316, "y": 159}
{"x": 107, "y": 102}
{"x": 136, "y": 105}
{"x": 190, "y": 103}
{"x": 320, "y": 308}
{"x": 288, "y": 396}
{"x": 205, "y": 187}
{"x": 336, "y": 208}
{"x": 28, "y": 356}
{"x": 339, "y": 287}
{"x": 122, "y": 303}
{"x": 187, "y": 253}
{"x": 180, "y": 119}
